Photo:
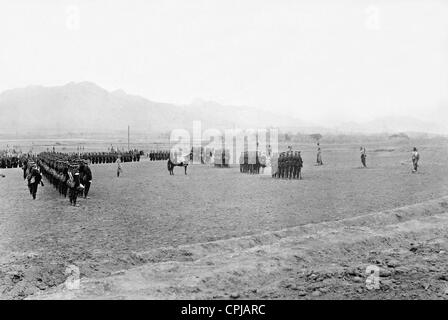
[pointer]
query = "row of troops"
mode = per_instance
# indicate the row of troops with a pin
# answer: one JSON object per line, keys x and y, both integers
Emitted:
{"x": 287, "y": 165}
{"x": 156, "y": 155}
{"x": 252, "y": 161}
{"x": 197, "y": 155}
{"x": 66, "y": 173}
{"x": 110, "y": 157}
{"x": 9, "y": 162}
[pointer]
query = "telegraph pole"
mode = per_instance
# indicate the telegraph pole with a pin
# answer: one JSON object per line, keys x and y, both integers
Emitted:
{"x": 129, "y": 128}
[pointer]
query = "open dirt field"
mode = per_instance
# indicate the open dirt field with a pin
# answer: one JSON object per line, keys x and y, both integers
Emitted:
{"x": 144, "y": 218}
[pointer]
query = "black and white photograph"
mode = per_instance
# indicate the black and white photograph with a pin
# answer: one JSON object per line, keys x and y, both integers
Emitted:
{"x": 237, "y": 150}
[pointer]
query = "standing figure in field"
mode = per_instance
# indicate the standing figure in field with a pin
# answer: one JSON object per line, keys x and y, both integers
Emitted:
{"x": 282, "y": 165}
{"x": 295, "y": 170}
{"x": 299, "y": 165}
{"x": 363, "y": 156}
{"x": 25, "y": 168}
{"x": 74, "y": 183}
{"x": 263, "y": 162}
{"x": 34, "y": 179}
{"x": 86, "y": 178}
{"x": 289, "y": 164}
{"x": 274, "y": 166}
{"x": 292, "y": 164}
{"x": 319, "y": 157}
{"x": 119, "y": 169}
{"x": 65, "y": 178}
{"x": 415, "y": 158}
{"x": 242, "y": 163}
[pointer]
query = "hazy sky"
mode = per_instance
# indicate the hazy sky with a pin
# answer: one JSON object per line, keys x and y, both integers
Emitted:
{"x": 322, "y": 61}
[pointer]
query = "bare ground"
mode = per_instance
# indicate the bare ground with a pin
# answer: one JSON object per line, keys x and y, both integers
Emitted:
{"x": 216, "y": 232}
{"x": 316, "y": 261}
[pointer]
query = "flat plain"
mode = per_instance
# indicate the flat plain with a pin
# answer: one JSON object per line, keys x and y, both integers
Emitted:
{"x": 147, "y": 209}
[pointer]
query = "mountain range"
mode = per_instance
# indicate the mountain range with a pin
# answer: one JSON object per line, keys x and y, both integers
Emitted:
{"x": 88, "y": 108}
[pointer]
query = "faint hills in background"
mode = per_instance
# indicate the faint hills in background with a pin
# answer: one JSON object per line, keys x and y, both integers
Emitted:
{"x": 82, "y": 108}
{"x": 393, "y": 124}
{"x": 86, "y": 107}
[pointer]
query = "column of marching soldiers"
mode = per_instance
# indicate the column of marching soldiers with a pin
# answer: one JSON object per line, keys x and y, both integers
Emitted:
{"x": 70, "y": 174}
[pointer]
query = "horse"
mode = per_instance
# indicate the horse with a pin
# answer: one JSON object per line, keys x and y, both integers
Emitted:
{"x": 171, "y": 166}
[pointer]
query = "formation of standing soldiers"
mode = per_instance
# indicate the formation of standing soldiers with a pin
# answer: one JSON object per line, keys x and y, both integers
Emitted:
{"x": 252, "y": 161}
{"x": 9, "y": 162}
{"x": 289, "y": 165}
{"x": 111, "y": 157}
{"x": 156, "y": 155}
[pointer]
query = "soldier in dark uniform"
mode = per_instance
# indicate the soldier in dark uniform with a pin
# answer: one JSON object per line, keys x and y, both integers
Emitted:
{"x": 295, "y": 162}
{"x": 24, "y": 168}
{"x": 363, "y": 157}
{"x": 34, "y": 179}
{"x": 287, "y": 164}
{"x": 415, "y": 158}
{"x": 319, "y": 157}
{"x": 86, "y": 174}
{"x": 281, "y": 165}
{"x": 292, "y": 164}
{"x": 66, "y": 177}
{"x": 74, "y": 185}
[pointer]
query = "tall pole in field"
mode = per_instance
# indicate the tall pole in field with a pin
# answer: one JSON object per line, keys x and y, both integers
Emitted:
{"x": 129, "y": 128}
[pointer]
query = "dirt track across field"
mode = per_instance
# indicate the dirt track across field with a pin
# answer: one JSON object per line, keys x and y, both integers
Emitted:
{"x": 408, "y": 247}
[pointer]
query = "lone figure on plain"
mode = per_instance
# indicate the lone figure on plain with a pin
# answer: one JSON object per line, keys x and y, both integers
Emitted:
{"x": 118, "y": 167}
{"x": 363, "y": 157}
{"x": 415, "y": 158}
{"x": 319, "y": 157}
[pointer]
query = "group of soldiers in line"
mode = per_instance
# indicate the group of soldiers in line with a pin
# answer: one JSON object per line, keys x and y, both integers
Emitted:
{"x": 252, "y": 161}
{"x": 156, "y": 155}
{"x": 67, "y": 173}
{"x": 111, "y": 157}
{"x": 7, "y": 162}
{"x": 219, "y": 157}
{"x": 287, "y": 165}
